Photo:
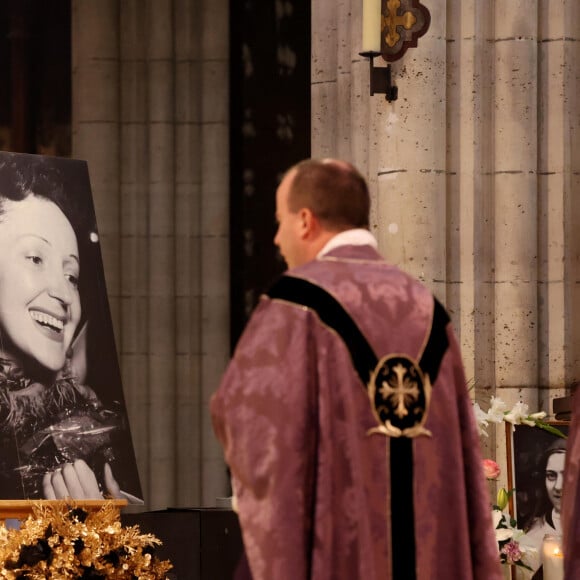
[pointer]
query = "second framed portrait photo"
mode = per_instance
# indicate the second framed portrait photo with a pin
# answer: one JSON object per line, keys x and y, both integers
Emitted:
{"x": 536, "y": 460}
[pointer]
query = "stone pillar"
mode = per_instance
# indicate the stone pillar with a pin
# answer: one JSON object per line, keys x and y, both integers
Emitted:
{"x": 515, "y": 142}
{"x": 469, "y": 188}
{"x": 214, "y": 230}
{"x": 515, "y": 191}
{"x": 164, "y": 217}
{"x": 160, "y": 90}
{"x": 401, "y": 144}
{"x": 95, "y": 124}
{"x": 412, "y": 172}
{"x": 188, "y": 247}
{"x": 134, "y": 246}
{"x": 558, "y": 165}
{"x": 324, "y": 71}
{"x": 570, "y": 143}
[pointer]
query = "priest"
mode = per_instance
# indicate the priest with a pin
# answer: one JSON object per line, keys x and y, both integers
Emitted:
{"x": 344, "y": 413}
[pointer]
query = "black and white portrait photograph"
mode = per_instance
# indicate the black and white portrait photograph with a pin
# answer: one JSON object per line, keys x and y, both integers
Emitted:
{"x": 538, "y": 462}
{"x": 64, "y": 429}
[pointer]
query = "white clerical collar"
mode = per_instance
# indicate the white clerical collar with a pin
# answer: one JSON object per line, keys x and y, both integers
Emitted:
{"x": 355, "y": 237}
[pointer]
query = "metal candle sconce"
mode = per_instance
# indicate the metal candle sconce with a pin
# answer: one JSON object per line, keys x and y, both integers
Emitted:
{"x": 390, "y": 27}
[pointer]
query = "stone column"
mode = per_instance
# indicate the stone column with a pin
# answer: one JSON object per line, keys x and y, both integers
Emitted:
{"x": 469, "y": 188}
{"x": 134, "y": 244}
{"x": 188, "y": 279}
{"x": 401, "y": 144}
{"x": 324, "y": 71}
{"x": 341, "y": 108}
{"x": 214, "y": 230}
{"x": 411, "y": 170}
{"x": 160, "y": 87}
{"x": 95, "y": 124}
{"x": 559, "y": 160}
{"x": 159, "y": 103}
{"x": 570, "y": 143}
{"x": 515, "y": 190}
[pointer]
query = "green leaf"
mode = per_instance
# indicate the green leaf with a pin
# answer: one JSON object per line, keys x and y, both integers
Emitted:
{"x": 550, "y": 429}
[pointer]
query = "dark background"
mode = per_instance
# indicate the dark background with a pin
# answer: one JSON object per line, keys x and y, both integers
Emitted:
{"x": 270, "y": 131}
{"x": 35, "y": 76}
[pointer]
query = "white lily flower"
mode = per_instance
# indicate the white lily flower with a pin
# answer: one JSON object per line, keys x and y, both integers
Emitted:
{"x": 538, "y": 415}
{"x": 497, "y": 410}
{"x": 530, "y": 554}
{"x": 502, "y": 534}
{"x": 519, "y": 411}
{"x": 481, "y": 419}
{"x": 496, "y": 517}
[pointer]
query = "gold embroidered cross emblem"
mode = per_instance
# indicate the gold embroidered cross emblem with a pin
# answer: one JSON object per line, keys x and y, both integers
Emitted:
{"x": 400, "y": 390}
{"x": 399, "y": 394}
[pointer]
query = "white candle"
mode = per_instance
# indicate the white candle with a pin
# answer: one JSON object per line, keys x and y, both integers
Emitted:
{"x": 371, "y": 30}
{"x": 553, "y": 558}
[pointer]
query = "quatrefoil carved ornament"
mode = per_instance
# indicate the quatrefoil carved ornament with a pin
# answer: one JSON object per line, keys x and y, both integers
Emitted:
{"x": 403, "y": 22}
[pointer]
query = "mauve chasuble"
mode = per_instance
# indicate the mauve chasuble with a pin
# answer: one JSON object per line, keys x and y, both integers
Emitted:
{"x": 312, "y": 485}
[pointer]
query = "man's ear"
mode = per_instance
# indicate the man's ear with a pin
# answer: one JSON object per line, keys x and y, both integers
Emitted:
{"x": 307, "y": 222}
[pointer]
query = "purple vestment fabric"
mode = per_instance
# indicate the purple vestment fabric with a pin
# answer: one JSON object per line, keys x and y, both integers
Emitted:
{"x": 312, "y": 487}
{"x": 571, "y": 496}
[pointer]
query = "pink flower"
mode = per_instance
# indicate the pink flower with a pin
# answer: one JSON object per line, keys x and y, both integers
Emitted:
{"x": 491, "y": 469}
{"x": 512, "y": 552}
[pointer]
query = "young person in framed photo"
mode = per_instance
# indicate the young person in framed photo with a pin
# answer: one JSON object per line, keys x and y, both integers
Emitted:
{"x": 539, "y": 462}
{"x": 545, "y": 518}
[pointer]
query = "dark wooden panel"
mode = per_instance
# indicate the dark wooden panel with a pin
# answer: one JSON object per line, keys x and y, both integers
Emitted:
{"x": 202, "y": 544}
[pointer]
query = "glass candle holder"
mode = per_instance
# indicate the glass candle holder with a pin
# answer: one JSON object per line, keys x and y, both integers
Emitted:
{"x": 552, "y": 557}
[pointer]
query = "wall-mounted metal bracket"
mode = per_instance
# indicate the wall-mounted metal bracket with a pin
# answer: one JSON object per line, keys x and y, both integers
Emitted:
{"x": 380, "y": 78}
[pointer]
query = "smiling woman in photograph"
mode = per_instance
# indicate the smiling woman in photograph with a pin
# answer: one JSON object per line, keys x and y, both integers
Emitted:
{"x": 58, "y": 439}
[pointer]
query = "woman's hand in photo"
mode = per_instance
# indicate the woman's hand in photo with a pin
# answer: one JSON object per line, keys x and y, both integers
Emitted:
{"x": 78, "y": 481}
{"x": 111, "y": 484}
